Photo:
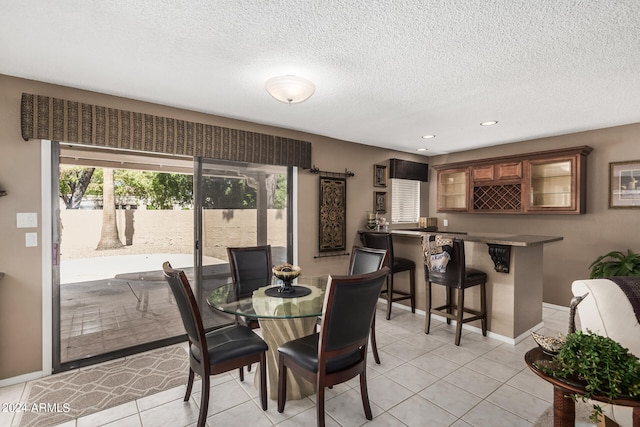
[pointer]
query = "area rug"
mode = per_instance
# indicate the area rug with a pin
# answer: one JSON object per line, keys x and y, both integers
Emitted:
{"x": 62, "y": 397}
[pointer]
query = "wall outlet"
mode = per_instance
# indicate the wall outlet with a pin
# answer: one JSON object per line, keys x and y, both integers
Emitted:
{"x": 31, "y": 240}
{"x": 27, "y": 220}
{"x": 445, "y": 222}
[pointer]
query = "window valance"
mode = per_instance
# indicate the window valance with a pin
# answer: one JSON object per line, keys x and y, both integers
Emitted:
{"x": 45, "y": 117}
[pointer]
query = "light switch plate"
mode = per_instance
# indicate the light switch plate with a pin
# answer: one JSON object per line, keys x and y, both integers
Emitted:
{"x": 31, "y": 240}
{"x": 27, "y": 220}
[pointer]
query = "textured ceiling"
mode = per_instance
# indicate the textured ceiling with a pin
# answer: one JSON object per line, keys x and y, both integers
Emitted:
{"x": 386, "y": 72}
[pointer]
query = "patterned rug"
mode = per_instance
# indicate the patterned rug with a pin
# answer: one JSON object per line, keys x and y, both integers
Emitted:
{"x": 583, "y": 411}
{"x": 62, "y": 397}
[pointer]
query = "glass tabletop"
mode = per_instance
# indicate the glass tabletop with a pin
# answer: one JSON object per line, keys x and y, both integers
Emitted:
{"x": 262, "y": 306}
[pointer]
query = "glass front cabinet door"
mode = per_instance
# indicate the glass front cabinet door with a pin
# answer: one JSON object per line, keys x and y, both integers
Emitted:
{"x": 553, "y": 186}
{"x": 453, "y": 186}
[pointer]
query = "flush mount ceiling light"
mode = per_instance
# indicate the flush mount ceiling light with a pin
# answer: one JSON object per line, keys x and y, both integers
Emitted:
{"x": 290, "y": 89}
{"x": 427, "y": 136}
{"x": 489, "y": 123}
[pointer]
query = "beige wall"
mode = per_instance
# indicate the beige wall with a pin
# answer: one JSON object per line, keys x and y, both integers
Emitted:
{"x": 586, "y": 236}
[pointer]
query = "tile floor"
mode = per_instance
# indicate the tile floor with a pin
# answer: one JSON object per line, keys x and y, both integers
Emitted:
{"x": 424, "y": 380}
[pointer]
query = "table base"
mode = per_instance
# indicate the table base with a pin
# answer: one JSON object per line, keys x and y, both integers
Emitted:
{"x": 276, "y": 332}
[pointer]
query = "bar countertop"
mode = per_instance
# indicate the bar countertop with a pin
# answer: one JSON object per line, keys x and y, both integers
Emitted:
{"x": 490, "y": 238}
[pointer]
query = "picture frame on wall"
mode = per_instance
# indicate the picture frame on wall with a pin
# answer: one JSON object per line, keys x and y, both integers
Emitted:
{"x": 624, "y": 185}
{"x": 380, "y": 201}
{"x": 379, "y": 176}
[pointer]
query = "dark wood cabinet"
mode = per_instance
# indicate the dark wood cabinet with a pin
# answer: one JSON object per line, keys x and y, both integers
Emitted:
{"x": 543, "y": 182}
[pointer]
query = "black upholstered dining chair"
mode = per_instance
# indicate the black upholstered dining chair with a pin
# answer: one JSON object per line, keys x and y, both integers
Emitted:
{"x": 337, "y": 353}
{"x": 397, "y": 265}
{"x": 214, "y": 352}
{"x": 366, "y": 260}
{"x": 456, "y": 276}
{"x": 250, "y": 269}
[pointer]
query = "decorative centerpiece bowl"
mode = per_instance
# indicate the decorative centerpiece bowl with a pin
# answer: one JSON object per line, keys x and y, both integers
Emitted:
{"x": 286, "y": 272}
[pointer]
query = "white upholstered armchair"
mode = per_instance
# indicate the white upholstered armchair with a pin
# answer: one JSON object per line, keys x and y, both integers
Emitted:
{"x": 608, "y": 311}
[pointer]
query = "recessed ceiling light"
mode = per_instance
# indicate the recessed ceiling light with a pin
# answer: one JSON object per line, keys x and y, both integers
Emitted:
{"x": 427, "y": 136}
{"x": 421, "y": 149}
{"x": 489, "y": 123}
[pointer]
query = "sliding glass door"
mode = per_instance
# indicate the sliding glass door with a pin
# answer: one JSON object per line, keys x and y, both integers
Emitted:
{"x": 119, "y": 215}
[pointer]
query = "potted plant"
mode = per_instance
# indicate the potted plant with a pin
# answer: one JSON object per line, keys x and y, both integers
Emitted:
{"x": 616, "y": 263}
{"x": 602, "y": 364}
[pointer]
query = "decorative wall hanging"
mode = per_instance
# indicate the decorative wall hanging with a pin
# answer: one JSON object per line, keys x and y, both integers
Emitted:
{"x": 624, "y": 184}
{"x": 333, "y": 212}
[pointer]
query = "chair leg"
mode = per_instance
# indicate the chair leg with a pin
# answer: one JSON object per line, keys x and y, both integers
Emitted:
{"x": 412, "y": 289}
{"x": 189, "y": 385}
{"x": 320, "y": 403}
{"x": 282, "y": 384}
{"x": 374, "y": 346}
{"x": 427, "y": 322}
{"x": 263, "y": 380}
{"x": 483, "y": 308}
{"x": 389, "y": 294}
{"x": 249, "y": 368}
{"x": 449, "y": 294}
{"x": 241, "y": 373}
{"x": 364, "y": 393}
{"x": 459, "y": 315}
{"x": 204, "y": 402}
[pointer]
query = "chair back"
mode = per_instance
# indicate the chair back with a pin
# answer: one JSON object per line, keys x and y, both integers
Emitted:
{"x": 187, "y": 305}
{"x": 366, "y": 260}
{"x": 250, "y": 268}
{"x": 455, "y": 273}
{"x": 349, "y": 306}
{"x": 379, "y": 241}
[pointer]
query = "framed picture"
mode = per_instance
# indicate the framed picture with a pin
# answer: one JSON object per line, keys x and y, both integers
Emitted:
{"x": 380, "y": 201}
{"x": 379, "y": 176}
{"x": 624, "y": 184}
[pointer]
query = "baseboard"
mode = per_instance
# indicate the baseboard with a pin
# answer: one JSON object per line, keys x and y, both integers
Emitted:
{"x": 555, "y": 307}
{"x": 22, "y": 378}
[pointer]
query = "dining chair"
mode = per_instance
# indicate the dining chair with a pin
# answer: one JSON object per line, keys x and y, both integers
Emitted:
{"x": 397, "y": 265}
{"x": 366, "y": 260}
{"x": 250, "y": 268}
{"x": 214, "y": 352}
{"x": 336, "y": 353}
{"x": 453, "y": 274}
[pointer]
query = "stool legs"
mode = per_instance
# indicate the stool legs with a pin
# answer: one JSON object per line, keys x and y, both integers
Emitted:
{"x": 389, "y": 294}
{"x": 446, "y": 310}
{"x": 427, "y": 321}
{"x": 459, "y": 315}
{"x": 411, "y": 295}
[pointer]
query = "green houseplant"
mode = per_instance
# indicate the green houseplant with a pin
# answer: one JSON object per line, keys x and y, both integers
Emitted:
{"x": 616, "y": 263}
{"x": 605, "y": 367}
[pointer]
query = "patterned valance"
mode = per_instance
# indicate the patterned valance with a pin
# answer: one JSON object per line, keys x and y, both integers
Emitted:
{"x": 55, "y": 119}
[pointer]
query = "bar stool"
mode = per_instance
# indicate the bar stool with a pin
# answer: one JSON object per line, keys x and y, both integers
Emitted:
{"x": 397, "y": 265}
{"x": 453, "y": 275}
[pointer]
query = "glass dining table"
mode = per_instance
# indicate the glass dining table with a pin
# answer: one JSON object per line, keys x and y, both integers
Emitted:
{"x": 282, "y": 318}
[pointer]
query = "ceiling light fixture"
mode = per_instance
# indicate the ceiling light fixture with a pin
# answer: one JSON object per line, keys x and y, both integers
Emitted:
{"x": 489, "y": 123}
{"x": 427, "y": 136}
{"x": 421, "y": 149}
{"x": 290, "y": 89}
